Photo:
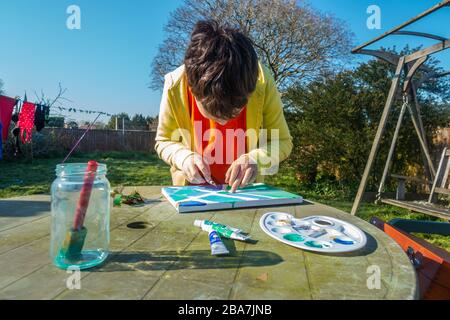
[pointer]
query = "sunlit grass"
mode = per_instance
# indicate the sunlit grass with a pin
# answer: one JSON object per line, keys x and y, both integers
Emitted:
{"x": 24, "y": 178}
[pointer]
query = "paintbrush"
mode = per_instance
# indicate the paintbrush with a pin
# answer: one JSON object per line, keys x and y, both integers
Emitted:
{"x": 208, "y": 181}
{"x": 211, "y": 182}
{"x": 74, "y": 241}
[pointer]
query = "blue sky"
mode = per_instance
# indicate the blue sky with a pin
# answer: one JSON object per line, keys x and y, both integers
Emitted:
{"x": 106, "y": 64}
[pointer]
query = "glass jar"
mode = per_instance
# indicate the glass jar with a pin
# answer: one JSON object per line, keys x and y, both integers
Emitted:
{"x": 87, "y": 245}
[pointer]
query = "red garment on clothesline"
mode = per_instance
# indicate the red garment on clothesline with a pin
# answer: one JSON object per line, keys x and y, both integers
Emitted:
{"x": 6, "y": 109}
{"x": 26, "y": 121}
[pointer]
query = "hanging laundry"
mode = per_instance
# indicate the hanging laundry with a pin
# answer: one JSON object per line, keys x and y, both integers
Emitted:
{"x": 1, "y": 143}
{"x": 15, "y": 117}
{"x": 26, "y": 121}
{"x": 6, "y": 109}
{"x": 39, "y": 117}
{"x": 16, "y": 133}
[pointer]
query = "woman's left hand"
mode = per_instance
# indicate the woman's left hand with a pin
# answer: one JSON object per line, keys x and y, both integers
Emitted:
{"x": 241, "y": 172}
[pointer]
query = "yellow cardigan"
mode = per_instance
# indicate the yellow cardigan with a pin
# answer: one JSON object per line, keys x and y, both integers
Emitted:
{"x": 264, "y": 111}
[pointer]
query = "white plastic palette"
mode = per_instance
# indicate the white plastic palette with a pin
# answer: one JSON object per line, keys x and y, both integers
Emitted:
{"x": 314, "y": 233}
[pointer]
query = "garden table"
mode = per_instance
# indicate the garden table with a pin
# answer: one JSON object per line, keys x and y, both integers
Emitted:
{"x": 157, "y": 253}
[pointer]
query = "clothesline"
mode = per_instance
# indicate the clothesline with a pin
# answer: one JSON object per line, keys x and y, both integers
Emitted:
{"x": 28, "y": 116}
{"x": 70, "y": 109}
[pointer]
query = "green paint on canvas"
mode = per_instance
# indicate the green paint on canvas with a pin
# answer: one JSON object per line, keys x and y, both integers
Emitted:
{"x": 257, "y": 194}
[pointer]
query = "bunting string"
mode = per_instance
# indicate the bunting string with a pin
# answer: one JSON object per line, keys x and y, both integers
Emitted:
{"x": 71, "y": 109}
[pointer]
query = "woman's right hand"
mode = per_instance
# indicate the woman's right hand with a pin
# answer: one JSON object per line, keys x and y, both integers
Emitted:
{"x": 196, "y": 170}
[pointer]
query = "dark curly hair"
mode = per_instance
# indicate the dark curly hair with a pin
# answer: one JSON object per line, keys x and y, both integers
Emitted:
{"x": 222, "y": 68}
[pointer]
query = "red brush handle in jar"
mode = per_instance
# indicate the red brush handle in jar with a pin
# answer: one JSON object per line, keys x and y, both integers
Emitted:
{"x": 85, "y": 194}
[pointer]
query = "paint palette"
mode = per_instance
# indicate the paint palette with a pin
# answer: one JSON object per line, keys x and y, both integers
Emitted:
{"x": 314, "y": 233}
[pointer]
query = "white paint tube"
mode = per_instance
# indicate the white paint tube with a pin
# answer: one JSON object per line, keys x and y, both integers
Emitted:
{"x": 223, "y": 230}
{"x": 217, "y": 246}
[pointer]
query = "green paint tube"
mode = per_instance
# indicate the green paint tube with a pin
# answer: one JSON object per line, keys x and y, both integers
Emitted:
{"x": 210, "y": 223}
{"x": 223, "y": 230}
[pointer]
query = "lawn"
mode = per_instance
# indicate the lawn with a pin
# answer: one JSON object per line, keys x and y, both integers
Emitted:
{"x": 24, "y": 178}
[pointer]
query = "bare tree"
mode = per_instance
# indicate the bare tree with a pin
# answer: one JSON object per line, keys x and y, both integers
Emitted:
{"x": 57, "y": 101}
{"x": 52, "y": 102}
{"x": 297, "y": 42}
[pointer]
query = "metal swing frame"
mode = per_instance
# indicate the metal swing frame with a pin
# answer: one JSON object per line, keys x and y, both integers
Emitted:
{"x": 407, "y": 67}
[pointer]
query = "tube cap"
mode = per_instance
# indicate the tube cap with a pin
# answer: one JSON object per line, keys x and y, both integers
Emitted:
{"x": 198, "y": 223}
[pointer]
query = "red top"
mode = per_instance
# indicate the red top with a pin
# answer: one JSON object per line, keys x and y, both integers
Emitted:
{"x": 26, "y": 121}
{"x": 218, "y": 144}
{"x": 6, "y": 109}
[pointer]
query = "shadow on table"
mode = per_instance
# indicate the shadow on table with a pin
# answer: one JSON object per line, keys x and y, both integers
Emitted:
{"x": 141, "y": 205}
{"x": 21, "y": 209}
{"x": 370, "y": 247}
{"x": 192, "y": 259}
{"x": 304, "y": 203}
{"x": 279, "y": 206}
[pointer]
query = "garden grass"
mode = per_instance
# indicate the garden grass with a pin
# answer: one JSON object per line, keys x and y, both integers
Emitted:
{"x": 21, "y": 178}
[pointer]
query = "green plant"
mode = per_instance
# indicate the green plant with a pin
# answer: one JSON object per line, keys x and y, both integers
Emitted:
{"x": 333, "y": 122}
